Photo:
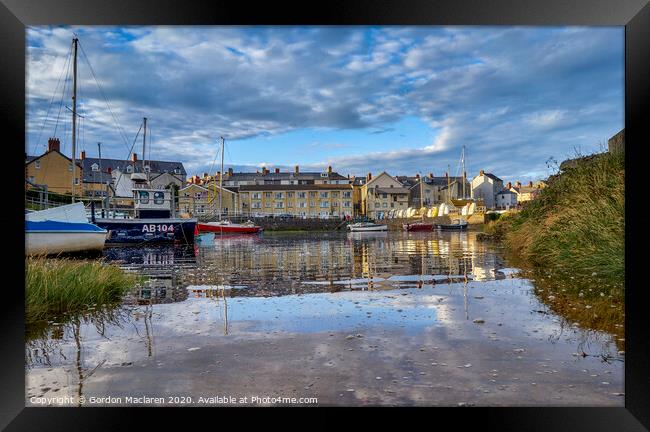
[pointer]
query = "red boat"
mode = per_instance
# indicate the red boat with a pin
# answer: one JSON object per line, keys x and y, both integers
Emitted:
{"x": 228, "y": 227}
{"x": 418, "y": 226}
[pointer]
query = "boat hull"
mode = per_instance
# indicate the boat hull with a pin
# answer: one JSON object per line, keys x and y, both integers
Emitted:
{"x": 129, "y": 231}
{"x": 55, "y": 237}
{"x": 451, "y": 227}
{"x": 228, "y": 229}
{"x": 418, "y": 227}
{"x": 368, "y": 229}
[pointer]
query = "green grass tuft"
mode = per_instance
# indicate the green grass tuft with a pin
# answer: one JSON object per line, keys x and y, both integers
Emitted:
{"x": 57, "y": 286}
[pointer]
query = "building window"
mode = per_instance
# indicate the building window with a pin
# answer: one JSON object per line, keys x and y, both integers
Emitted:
{"x": 147, "y": 168}
{"x": 279, "y": 204}
{"x": 346, "y": 203}
{"x": 377, "y": 205}
{"x": 144, "y": 197}
{"x": 302, "y": 204}
{"x": 177, "y": 171}
{"x": 37, "y": 164}
{"x": 31, "y": 179}
{"x": 302, "y": 194}
{"x": 324, "y": 204}
{"x": 159, "y": 198}
{"x": 129, "y": 169}
{"x": 76, "y": 182}
{"x": 279, "y": 195}
{"x": 384, "y": 195}
{"x": 267, "y": 194}
{"x": 70, "y": 167}
{"x": 347, "y": 194}
{"x": 257, "y": 205}
{"x": 94, "y": 167}
{"x": 384, "y": 205}
{"x": 323, "y": 194}
{"x": 312, "y": 194}
{"x": 257, "y": 195}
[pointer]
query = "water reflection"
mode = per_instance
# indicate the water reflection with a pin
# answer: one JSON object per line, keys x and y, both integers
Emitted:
{"x": 300, "y": 263}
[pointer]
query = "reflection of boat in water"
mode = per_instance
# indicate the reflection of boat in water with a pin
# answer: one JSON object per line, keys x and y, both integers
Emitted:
{"x": 362, "y": 235}
{"x": 62, "y": 229}
{"x": 366, "y": 227}
{"x": 457, "y": 225}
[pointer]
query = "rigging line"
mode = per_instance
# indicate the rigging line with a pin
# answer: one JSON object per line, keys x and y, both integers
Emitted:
{"x": 63, "y": 94}
{"x": 127, "y": 157}
{"x": 101, "y": 90}
{"x": 54, "y": 93}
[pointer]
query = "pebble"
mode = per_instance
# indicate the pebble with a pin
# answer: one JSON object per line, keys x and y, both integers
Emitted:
{"x": 479, "y": 321}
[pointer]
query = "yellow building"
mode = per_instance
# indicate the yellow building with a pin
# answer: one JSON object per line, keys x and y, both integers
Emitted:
{"x": 381, "y": 194}
{"x": 198, "y": 200}
{"x": 308, "y": 200}
{"x": 54, "y": 169}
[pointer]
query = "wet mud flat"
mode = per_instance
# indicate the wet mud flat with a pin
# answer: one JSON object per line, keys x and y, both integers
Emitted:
{"x": 487, "y": 343}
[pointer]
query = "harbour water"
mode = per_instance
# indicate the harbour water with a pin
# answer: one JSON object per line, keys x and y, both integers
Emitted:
{"x": 334, "y": 318}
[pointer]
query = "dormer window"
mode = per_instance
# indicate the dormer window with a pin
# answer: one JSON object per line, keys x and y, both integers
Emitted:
{"x": 94, "y": 167}
{"x": 37, "y": 164}
{"x": 147, "y": 168}
{"x": 129, "y": 169}
{"x": 177, "y": 171}
{"x": 323, "y": 174}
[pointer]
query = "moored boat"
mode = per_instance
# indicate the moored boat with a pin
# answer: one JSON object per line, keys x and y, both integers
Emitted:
{"x": 228, "y": 227}
{"x": 63, "y": 229}
{"x": 367, "y": 226}
{"x": 418, "y": 226}
{"x": 459, "y": 224}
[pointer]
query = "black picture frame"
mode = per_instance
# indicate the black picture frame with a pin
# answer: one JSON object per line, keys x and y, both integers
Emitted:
{"x": 633, "y": 14}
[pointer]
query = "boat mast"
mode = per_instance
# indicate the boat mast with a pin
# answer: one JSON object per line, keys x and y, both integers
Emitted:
{"x": 75, "y": 41}
{"x": 464, "y": 175}
{"x": 221, "y": 178}
{"x": 144, "y": 138}
{"x": 421, "y": 195}
{"x": 448, "y": 184}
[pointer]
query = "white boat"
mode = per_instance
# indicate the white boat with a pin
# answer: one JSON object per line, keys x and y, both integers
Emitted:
{"x": 367, "y": 226}
{"x": 61, "y": 230}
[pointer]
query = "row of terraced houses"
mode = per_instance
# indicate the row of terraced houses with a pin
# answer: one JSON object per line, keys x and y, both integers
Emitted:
{"x": 290, "y": 192}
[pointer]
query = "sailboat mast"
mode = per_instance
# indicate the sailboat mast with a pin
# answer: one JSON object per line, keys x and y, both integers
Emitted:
{"x": 75, "y": 41}
{"x": 221, "y": 178}
{"x": 464, "y": 175}
{"x": 144, "y": 139}
{"x": 448, "y": 184}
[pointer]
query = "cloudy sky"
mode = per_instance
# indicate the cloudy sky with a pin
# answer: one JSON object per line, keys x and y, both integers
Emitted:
{"x": 361, "y": 99}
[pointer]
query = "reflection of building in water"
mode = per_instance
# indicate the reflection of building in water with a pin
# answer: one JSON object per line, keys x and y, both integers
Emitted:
{"x": 159, "y": 289}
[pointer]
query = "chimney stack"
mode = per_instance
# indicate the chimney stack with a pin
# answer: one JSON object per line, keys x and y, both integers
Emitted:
{"x": 297, "y": 170}
{"x": 430, "y": 175}
{"x": 53, "y": 144}
{"x": 530, "y": 184}
{"x": 369, "y": 177}
{"x": 509, "y": 185}
{"x": 230, "y": 171}
{"x": 83, "y": 155}
{"x": 329, "y": 169}
{"x": 518, "y": 184}
{"x": 417, "y": 175}
{"x": 134, "y": 157}
{"x": 277, "y": 170}
{"x": 482, "y": 172}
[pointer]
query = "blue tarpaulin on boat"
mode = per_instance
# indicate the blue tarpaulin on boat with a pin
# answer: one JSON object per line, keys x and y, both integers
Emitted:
{"x": 60, "y": 226}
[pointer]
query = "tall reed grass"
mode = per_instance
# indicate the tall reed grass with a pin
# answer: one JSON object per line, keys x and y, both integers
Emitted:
{"x": 56, "y": 286}
{"x": 576, "y": 226}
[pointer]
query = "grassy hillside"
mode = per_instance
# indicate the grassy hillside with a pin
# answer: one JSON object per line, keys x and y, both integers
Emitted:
{"x": 577, "y": 224}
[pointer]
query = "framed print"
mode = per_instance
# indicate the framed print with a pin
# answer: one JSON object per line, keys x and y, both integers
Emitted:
{"x": 357, "y": 205}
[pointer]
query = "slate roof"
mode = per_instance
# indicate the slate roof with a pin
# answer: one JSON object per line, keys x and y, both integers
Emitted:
{"x": 493, "y": 177}
{"x": 306, "y": 187}
{"x": 251, "y": 176}
{"x": 156, "y": 167}
{"x": 506, "y": 191}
